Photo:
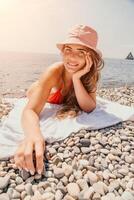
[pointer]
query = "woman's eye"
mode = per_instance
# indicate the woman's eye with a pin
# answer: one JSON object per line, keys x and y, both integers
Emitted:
{"x": 81, "y": 53}
{"x": 78, "y": 53}
{"x": 67, "y": 50}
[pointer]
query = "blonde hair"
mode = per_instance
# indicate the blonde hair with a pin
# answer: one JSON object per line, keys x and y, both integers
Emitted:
{"x": 70, "y": 106}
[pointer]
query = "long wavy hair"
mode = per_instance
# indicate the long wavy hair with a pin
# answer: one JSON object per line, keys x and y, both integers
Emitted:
{"x": 70, "y": 106}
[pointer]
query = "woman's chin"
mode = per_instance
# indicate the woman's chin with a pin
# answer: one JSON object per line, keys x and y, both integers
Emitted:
{"x": 71, "y": 71}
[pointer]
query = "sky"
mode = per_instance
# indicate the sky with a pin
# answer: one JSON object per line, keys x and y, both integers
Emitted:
{"x": 37, "y": 25}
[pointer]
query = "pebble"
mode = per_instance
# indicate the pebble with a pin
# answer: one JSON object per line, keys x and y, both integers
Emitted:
{"x": 48, "y": 196}
{"x": 52, "y": 151}
{"x": 106, "y": 174}
{"x": 130, "y": 184}
{"x": 19, "y": 180}
{"x": 83, "y": 163}
{"x": 96, "y": 196}
{"x": 116, "y": 152}
{"x": 100, "y": 187}
{"x": 58, "y": 195}
{"x": 24, "y": 174}
{"x": 110, "y": 167}
{"x": 86, "y": 194}
{"x": 85, "y": 142}
{"x": 104, "y": 151}
{"x": 77, "y": 174}
{"x": 123, "y": 171}
{"x": 114, "y": 185}
{"x": 4, "y": 196}
{"x": 16, "y": 195}
{"x": 76, "y": 149}
{"x": 36, "y": 196}
{"x": 10, "y": 192}
{"x": 127, "y": 196}
{"x": 4, "y": 181}
{"x": 109, "y": 196}
{"x": 58, "y": 172}
{"x": 20, "y": 188}
{"x": 92, "y": 177}
{"x": 68, "y": 197}
{"x": 82, "y": 184}
{"x": 73, "y": 190}
{"x": 28, "y": 188}
{"x": 111, "y": 157}
{"x": 85, "y": 149}
{"x": 129, "y": 159}
{"x": 67, "y": 169}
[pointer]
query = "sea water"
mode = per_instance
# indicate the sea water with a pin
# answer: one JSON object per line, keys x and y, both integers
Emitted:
{"x": 19, "y": 70}
{"x": 117, "y": 72}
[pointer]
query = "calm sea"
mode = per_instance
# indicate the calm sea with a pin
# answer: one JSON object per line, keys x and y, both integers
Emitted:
{"x": 19, "y": 70}
{"x": 117, "y": 72}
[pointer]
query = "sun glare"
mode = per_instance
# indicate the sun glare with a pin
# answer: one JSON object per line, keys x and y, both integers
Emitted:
{"x": 6, "y": 5}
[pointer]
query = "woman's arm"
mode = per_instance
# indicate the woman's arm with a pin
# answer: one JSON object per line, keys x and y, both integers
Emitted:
{"x": 87, "y": 101}
{"x": 34, "y": 140}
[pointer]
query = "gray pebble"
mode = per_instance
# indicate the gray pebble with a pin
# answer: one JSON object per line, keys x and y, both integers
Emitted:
{"x": 58, "y": 195}
{"x": 4, "y": 196}
{"x": 104, "y": 151}
{"x": 20, "y": 188}
{"x": 85, "y": 142}
{"x": 4, "y": 181}
{"x": 19, "y": 180}
{"x": 16, "y": 195}
{"x": 127, "y": 196}
{"x": 28, "y": 188}
{"x": 24, "y": 174}
{"x": 109, "y": 196}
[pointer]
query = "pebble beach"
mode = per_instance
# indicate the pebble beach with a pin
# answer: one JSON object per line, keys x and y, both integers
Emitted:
{"x": 88, "y": 165}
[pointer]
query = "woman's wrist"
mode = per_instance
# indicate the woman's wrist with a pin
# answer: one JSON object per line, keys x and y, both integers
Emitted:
{"x": 75, "y": 77}
{"x": 33, "y": 136}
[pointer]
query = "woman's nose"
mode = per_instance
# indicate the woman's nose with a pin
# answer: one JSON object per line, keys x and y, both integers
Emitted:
{"x": 73, "y": 55}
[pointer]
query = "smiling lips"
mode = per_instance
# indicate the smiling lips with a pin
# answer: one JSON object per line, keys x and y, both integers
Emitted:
{"x": 72, "y": 65}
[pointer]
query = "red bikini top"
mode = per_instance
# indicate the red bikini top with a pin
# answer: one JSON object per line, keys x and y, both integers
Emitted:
{"x": 56, "y": 97}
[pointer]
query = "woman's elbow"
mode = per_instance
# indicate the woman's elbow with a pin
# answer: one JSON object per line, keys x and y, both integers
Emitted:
{"x": 91, "y": 109}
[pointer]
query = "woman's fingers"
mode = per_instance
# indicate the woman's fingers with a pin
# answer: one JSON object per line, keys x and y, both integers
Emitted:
{"x": 19, "y": 157}
{"x": 24, "y": 156}
{"x": 88, "y": 63}
{"x": 39, "y": 155}
{"x": 28, "y": 154}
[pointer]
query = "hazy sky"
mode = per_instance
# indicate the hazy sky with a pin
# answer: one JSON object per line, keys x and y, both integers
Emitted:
{"x": 37, "y": 25}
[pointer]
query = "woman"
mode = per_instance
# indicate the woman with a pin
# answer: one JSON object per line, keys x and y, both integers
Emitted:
{"x": 71, "y": 82}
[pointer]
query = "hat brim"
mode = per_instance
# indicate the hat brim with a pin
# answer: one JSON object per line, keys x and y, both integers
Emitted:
{"x": 76, "y": 41}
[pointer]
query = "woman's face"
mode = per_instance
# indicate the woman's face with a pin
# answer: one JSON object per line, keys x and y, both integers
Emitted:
{"x": 74, "y": 57}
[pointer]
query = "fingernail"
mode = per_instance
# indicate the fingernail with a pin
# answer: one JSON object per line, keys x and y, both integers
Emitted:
{"x": 26, "y": 169}
{"x": 39, "y": 171}
{"x": 32, "y": 173}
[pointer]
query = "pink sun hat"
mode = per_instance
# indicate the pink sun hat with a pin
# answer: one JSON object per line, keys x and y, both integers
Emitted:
{"x": 83, "y": 35}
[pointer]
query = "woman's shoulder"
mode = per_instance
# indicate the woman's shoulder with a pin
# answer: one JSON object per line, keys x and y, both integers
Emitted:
{"x": 56, "y": 67}
{"x": 53, "y": 72}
